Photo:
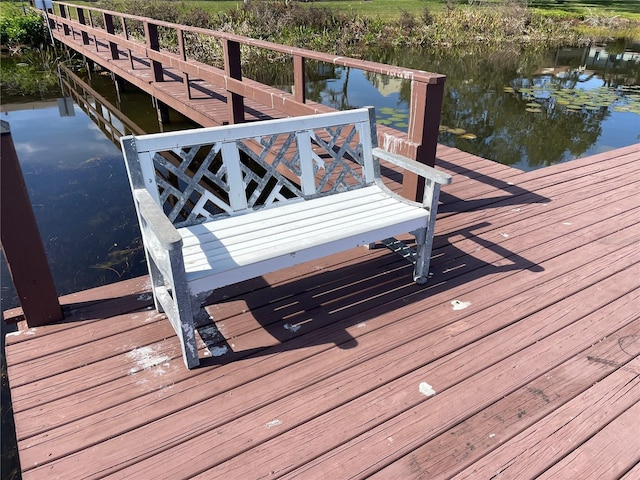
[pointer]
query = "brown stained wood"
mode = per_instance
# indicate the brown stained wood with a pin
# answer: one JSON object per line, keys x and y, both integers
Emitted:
{"x": 102, "y": 454}
{"x": 58, "y": 342}
{"x": 486, "y": 188}
{"x": 504, "y": 437}
{"x": 399, "y": 435}
{"x": 617, "y": 456}
{"x": 538, "y": 300}
{"x": 315, "y": 400}
{"x": 260, "y": 331}
{"x": 633, "y": 473}
{"x": 85, "y": 303}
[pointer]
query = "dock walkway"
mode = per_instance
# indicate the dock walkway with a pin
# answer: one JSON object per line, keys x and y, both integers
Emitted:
{"x": 519, "y": 358}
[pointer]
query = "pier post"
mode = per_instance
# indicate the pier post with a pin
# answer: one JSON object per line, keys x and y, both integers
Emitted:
{"x": 21, "y": 242}
{"x": 424, "y": 122}
{"x": 108, "y": 25}
{"x": 82, "y": 21}
{"x": 233, "y": 69}
{"x": 299, "y": 79}
{"x": 63, "y": 14}
{"x": 153, "y": 42}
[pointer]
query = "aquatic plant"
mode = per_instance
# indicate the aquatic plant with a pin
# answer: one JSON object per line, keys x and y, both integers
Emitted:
{"x": 34, "y": 72}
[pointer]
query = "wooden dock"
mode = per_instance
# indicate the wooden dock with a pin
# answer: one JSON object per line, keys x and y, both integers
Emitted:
{"x": 519, "y": 359}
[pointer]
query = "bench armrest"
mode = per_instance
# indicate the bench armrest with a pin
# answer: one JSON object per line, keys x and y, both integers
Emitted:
{"x": 156, "y": 221}
{"x": 413, "y": 166}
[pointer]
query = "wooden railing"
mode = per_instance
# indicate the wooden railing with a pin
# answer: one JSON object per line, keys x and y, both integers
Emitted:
{"x": 114, "y": 31}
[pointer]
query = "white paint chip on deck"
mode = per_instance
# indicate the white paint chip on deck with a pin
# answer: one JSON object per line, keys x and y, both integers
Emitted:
{"x": 273, "y": 423}
{"x": 426, "y": 389}
{"x": 145, "y": 359}
{"x": 459, "y": 304}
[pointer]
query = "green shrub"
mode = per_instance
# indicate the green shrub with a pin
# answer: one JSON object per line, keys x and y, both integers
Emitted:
{"x": 22, "y": 27}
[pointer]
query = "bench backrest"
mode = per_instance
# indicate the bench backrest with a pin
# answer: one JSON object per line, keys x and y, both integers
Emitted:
{"x": 199, "y": 174}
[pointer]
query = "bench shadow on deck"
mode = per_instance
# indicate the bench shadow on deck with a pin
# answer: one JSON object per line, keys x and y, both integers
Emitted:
{"x": 528, "y": 333}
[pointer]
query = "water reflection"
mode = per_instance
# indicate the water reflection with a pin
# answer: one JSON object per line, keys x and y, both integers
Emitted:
{"x": 78, "y": 188}
{"x": 484, "y": 119}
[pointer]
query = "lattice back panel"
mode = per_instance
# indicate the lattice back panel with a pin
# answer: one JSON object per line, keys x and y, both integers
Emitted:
{"x": 203, "y": 181}
{"x": 338, "y": 159}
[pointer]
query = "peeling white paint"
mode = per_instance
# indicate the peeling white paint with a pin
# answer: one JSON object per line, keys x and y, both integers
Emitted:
{"x": 567, "y": 223}
{"x": 391, "y": 143}
{"x": 144, "y": 297}
{"x": 459, "y": 304}
{"x": 505, "y": 235}
{"x": 273, "y": 423}
{"x": 426, "y": 389}
{"x": 291, "y": 328}
{"x": 361, "y": 325}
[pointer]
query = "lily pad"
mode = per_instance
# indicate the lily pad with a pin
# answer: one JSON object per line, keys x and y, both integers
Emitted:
{"x": 468, "y": 136}
{"x": 534, "y": 110}
{"x": 457, "y": 131}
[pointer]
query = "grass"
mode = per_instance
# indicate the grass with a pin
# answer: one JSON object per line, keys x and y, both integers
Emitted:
{"x": 344, "y": 26}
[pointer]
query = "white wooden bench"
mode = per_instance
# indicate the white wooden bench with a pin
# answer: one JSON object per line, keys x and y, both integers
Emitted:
{"x": 221, "y": 205}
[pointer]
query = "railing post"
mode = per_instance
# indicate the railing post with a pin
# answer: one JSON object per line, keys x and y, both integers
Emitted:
{"x": 233, "y": 69}
{"x": 125, "y": 34}
{"x": 183, "y": 56}
{"x": 108, "y": 25}
{"x": 299, "y": 79}
{"x": 21, "y": 242}
{"x": 424, "y": 121}
{"x": 153, "y": 42}
{"x": 63, "y": 14}
{"x": 82, "y": 21}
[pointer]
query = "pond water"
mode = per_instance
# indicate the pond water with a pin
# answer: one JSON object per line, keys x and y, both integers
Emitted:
{"x": 528, "y": 110}
{"x": 523, "y": 109}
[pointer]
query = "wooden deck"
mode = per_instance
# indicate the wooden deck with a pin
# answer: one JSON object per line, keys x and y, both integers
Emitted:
{"x": 528, "y": 333}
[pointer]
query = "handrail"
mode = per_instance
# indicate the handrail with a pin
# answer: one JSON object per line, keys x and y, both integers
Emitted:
{"x": 375, "y": 67}
{"x": 427, "y": 88}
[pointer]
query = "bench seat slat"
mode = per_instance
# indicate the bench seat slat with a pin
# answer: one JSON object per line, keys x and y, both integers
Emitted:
{"x": 270, "y": 215}
{"x": 255, "y": 239}
{"x": 298, "y": 238}
{"x": 229, "y": 231}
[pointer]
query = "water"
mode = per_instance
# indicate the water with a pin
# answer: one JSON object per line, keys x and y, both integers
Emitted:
{"x": 586, "y": 100}
{"x": 525, "y": 109}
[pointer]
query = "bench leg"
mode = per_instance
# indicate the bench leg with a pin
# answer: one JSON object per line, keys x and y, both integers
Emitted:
{"x": 424, "y": 243}
{"x": 185, "y": 328}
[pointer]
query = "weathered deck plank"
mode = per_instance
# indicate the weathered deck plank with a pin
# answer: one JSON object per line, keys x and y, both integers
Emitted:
{"x": 543, "y": 262}
{"x": 545, "y": 443}
{"x": 487, "y": 437}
